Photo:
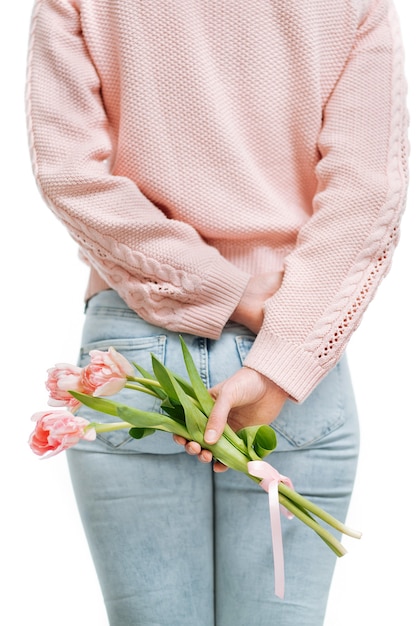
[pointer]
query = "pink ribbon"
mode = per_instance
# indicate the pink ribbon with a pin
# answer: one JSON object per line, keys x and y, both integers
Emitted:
{"x": 270, "y": 481}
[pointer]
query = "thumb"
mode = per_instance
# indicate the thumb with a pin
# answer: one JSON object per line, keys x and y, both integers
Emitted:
{"x": 218, "y": 418}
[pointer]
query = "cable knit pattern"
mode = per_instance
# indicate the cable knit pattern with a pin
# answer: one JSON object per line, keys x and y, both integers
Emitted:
{"x": 189, "y": 145}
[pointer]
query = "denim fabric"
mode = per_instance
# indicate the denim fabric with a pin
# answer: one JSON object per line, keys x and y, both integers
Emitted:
{"x": 175, "y": 544}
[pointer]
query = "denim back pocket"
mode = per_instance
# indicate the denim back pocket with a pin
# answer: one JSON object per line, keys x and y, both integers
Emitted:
{"x": 136, "y": 350}
{"x": 302, "y": 425}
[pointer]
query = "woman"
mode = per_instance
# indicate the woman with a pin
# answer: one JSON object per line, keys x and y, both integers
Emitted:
{"x": 234, "y": 172}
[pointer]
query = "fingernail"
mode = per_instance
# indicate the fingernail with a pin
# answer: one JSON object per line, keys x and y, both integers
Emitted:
{"x": 210, "y": 436}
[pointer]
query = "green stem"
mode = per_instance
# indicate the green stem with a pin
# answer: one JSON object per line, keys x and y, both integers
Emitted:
{"x": 304, "y": 503}
{"x": 327, "y": 537}
{"x": 106, "y": 428}
{"x": 236, "y": 441}
{"x": 145, "y": 381}
{"x": 137, "y": 387}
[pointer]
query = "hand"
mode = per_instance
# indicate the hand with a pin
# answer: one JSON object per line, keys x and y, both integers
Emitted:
{"x": 233, "y": 393}
{"x": 250, "y": 310}
{"x": 245, "y": 399}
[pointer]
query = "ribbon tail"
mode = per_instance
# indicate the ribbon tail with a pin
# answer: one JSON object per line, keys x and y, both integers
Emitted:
{"x": 277, "y": 545}
{"x": 270, "y": 481}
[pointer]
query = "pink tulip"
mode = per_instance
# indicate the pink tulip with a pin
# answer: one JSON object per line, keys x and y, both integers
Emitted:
{"x": 61, "y": 379}
{"x": 106, "y": 373}
{"x": 56, "y": 431}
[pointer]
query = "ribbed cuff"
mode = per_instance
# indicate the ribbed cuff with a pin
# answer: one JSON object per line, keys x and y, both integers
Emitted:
{"x": 293, "y": 369}
{"x": 221, "y": 293}
{"x": 211, "y": 308}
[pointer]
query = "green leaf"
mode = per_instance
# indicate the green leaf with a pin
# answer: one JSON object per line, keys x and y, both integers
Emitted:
{"x": 145, "y": 374}
{"x": 142, "y": 371}
{"x": 185, "y": 385}
{"x": 140, "y": 433}
{"x": 173, "y": 410}
{"x": 248, "y": 435}
{"x": 97, "y": 404}
{"x": 195, "y": 420}
{"x": 165, "y": 379}
{"x": 265, "y": 440}
{"x": 200, "y": 390}
{"x": 231, "y": 452}
{"x": 135, "y": 417}
{"x": 150, "y": 420}
{"x": 260, "y": 440}
{"x": 206, "y": 401}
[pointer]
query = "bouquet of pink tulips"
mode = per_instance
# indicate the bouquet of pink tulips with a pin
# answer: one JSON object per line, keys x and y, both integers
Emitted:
{"x": 186, "y": 406}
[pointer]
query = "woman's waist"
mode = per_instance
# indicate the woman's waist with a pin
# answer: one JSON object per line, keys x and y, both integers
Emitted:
{"x": 246, "y": 256}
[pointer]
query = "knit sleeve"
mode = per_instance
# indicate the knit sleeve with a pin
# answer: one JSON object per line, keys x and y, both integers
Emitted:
{"x": 345, "y": 248}
{"x": 161, "y": 267}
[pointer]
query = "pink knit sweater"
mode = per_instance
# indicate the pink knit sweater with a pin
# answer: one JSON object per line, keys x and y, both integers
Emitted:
{"x": 188, "y": 145}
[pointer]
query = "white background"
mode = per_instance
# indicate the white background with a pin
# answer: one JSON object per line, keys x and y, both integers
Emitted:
{"x": 47, "y": 576}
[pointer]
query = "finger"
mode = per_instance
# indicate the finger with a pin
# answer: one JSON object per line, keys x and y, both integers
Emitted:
{"x": 181, "y": 441}
{"x": 205, "y": 456}
{"x": 219, "y": 468}
{"x": 217, "y": 419}
{"x": 215, "y": 390}
{"x": 193, "y": 448}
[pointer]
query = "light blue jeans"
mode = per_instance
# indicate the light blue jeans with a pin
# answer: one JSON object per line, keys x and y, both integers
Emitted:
{"x": 175, "y": 544}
